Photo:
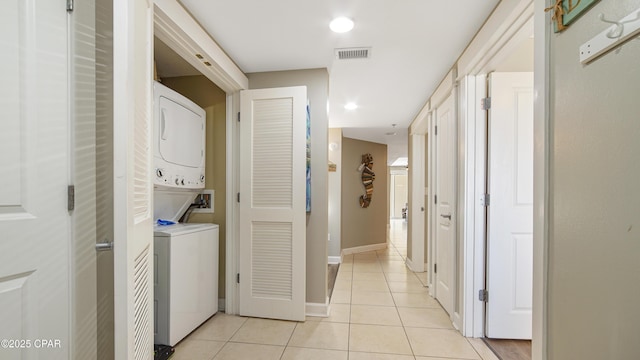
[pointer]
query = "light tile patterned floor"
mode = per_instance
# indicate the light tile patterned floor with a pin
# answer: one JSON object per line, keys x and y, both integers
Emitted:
{"x": 380, "y": 310}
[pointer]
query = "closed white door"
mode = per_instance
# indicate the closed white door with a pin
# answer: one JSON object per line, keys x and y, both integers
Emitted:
{"x": 133, "y": 220}
{"x": 445, "y": 217}
{"x": 35, "y": 225}
{"x": 272, "y": 203}
{"x": 510, "y": 229}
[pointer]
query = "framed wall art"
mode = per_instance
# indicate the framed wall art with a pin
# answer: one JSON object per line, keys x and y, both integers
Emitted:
{"x": 564, "y": 12}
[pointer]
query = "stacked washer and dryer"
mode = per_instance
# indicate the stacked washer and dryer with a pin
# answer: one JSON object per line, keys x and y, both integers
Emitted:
{"x": 186, "y": 254}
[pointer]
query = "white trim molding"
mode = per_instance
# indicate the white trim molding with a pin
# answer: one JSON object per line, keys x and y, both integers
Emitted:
{"x": 318, "y": 309}
{"x": 505, "y": 21}
{"x": 182, "y": 33}
{"x": 333, "y": 260}
{"x": 409, "y": 264}
{"x": 417, "y": 206}
{"x": 365, "y": 248}
{"x": 541, "y": 167}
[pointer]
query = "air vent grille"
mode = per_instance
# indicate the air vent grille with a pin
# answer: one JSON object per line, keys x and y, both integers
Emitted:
{"x": 353, "y": 53}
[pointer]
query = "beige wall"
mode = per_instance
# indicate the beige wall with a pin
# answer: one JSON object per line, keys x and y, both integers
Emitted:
{"x": 317, "y": 83}
{"x": 104, "y": 177}
{"x": 363, "y": 226}
{"x": 594, "y": 228}
{"x": 83, "y": 326}
{"x": 213, "y": 100}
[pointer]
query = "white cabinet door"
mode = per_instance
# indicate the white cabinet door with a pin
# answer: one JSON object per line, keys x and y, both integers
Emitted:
{"x": 272, "y": 203}
{"x": 133, "y": 220}
{"x": 35, "y": 235}
{"x": 445, "y": 217}
{"x": 510, "y": 229}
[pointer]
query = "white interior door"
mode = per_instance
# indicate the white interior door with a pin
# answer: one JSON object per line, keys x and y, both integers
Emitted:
{"x": 445, "y": 217}
{"x": 35, "y": 235}
{"x": 272, "y": 203}
{"x": 510, "y": 229}
{"x": 133, "y": 220}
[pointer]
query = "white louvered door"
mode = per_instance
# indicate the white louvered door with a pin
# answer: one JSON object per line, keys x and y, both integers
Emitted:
{"x": 133, "y": 221}
{"x": 272, "y": 203}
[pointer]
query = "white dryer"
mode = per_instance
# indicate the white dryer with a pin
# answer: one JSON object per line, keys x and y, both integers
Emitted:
{"x": 186, "y": 255}
{"x": 186, "y": 279}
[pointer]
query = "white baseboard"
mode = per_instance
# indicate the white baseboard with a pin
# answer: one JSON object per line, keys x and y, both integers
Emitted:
{"x": 318, "y": 309}
{"x": 221, "y": 304}
{"x": 335, "y": 260}
{"x": 365, "y": 248}
{"x": 409, "y": 264}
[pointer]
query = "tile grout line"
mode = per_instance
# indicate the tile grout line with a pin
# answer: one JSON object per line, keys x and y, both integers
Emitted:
{"x": 400, "y": 317}
{"x": 350, "y": 309}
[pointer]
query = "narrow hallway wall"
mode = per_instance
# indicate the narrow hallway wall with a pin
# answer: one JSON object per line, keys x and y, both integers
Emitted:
{"x": 594, "y": 229}
{"x": 363, "y": 226}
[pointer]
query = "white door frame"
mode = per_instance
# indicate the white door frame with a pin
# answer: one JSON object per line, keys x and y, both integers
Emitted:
{"x": 473, "y": 124}
{"x": 542, "y": 33}
{"x": 416, "y": 203}
{"x": 473, "y": 211}
{"x": 420, "y": 133}
{"x": 497, "y": 35}
{"x": 177, "y": 28}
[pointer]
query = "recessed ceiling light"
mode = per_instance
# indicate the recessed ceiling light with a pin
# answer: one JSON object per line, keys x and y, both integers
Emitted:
{"x": 341, "y": 24}
{"x": 351, "y": 106}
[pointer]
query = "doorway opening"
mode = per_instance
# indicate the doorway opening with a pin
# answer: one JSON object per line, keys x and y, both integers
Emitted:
{"x": 398, "y": 195}
{"x": 508, "y": 260}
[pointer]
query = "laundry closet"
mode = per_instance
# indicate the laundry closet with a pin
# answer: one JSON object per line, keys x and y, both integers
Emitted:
{"x": 189, "y": 276}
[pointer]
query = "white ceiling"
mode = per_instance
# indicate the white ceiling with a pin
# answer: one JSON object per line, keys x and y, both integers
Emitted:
{"x": 413, "y": 45}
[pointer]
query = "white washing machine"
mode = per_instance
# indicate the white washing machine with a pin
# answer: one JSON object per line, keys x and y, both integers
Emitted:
{"x": 186, "y": 279}
{"x": 185, "y": 255}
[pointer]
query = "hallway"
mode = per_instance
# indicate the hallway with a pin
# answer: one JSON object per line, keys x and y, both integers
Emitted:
{"x": 379, "y": 310}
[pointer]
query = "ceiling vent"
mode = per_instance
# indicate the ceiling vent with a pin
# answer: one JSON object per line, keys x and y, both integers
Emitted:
{"x": 353, "y": 53}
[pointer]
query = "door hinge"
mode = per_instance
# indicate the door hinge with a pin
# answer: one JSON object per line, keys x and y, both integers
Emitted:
{"x": 435, "y": 268}
{"x": 435, "y": 198}
{"x": 485, "y": 103}
{"x": 483, "y": 295}
{"x": 69, "y": 5}
{"x": 485, "y": 200}
{"x": 238, "y": 278}
{"x": 238, "y": 197}
{"x": 71, "y": 197}
{"x": 238, "y": 116}
{"x": 436, "y": 130}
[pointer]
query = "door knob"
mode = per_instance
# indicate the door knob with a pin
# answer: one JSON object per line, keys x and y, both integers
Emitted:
{"x": 104, "y": 246}
{"x": 446, "y": 216}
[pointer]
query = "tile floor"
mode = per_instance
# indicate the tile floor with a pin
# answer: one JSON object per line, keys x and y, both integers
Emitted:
{"x": 380, "y": 310}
